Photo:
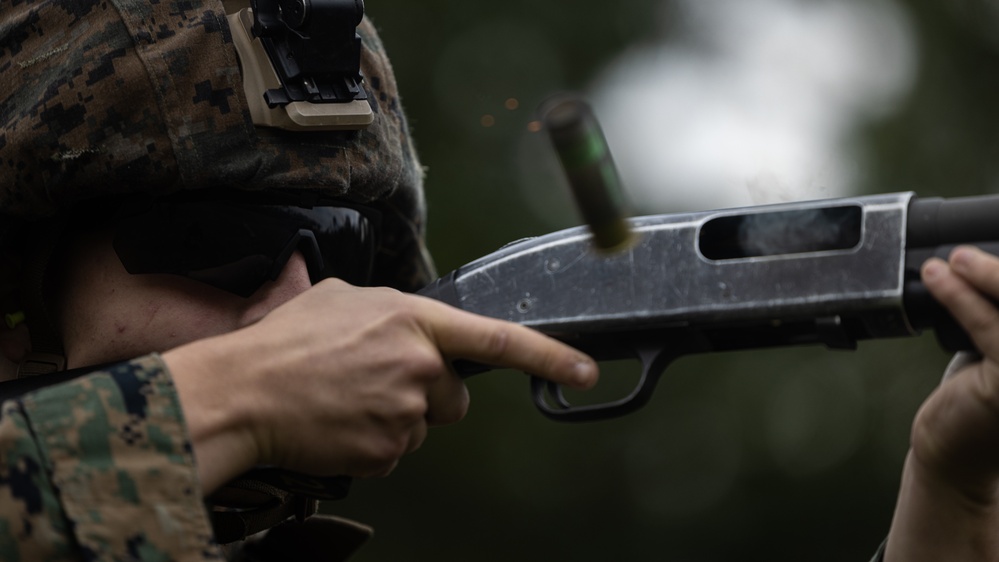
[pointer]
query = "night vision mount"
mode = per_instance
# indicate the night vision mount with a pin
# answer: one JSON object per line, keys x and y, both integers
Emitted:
{"x": 301, "y": 63}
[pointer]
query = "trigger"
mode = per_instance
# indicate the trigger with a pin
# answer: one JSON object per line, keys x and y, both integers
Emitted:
{"x": 555, "y": 391}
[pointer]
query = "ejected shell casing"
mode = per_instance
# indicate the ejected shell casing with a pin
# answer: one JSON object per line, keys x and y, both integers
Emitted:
{"x": 587, "y": 162}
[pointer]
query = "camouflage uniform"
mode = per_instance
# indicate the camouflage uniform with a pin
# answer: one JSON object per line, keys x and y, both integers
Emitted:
{"x": 101, "y": 469}
{"x": 107, "y": 97}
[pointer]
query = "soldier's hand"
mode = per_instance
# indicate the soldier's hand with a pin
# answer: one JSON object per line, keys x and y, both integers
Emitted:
{"x": 949, "y": 502}
{"x": 344, "y": 380}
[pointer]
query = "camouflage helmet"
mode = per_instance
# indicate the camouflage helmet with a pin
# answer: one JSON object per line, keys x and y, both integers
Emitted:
{"x": 103, "y": 98}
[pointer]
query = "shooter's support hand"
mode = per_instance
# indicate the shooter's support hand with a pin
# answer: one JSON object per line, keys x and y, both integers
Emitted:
{"x": 948, "y": 505}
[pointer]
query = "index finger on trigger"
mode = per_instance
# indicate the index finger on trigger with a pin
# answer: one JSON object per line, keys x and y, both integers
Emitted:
{"x": 461, "y": 334}
{"x": 969, "y": 307}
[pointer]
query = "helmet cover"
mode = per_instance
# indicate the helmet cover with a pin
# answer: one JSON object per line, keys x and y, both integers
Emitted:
{"x": 121, "y": 97}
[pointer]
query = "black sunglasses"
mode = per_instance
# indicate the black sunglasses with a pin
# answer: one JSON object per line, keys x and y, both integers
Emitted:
{"x": 237, "y": 247}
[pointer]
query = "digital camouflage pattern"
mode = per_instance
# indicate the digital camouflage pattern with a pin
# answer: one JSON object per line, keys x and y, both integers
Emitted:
{"x": 101, "y": 467}
{"x": 104, "y": 97}
{"x": 119, "y": 97}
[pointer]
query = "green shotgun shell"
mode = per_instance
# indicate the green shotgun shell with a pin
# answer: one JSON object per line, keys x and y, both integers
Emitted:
{"x": 587, "y": 163}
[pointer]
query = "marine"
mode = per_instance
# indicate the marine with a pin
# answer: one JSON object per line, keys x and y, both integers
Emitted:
{"x": 206, "y": 289}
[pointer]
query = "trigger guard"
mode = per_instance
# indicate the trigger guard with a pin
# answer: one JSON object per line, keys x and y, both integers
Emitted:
{"x": 555, "y": 391}
{"x": 654, "y": 363}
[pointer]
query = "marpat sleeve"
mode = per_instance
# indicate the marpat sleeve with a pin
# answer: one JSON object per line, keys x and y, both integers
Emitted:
{"x": 101, "y": 468}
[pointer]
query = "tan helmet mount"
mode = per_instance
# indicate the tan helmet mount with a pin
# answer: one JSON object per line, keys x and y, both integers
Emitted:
{"x": 301, "y": 63}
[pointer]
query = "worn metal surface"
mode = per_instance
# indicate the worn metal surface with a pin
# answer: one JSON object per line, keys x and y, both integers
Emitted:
{"x": 558, "y": 283}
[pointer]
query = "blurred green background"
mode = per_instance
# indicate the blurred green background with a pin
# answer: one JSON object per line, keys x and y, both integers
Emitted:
{"x": 778, "y": 455}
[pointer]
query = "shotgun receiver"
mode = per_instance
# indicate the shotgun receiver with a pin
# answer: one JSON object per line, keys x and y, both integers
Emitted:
{"x": 829, "y": 272}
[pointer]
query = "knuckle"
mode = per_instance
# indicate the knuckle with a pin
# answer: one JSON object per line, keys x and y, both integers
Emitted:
{"x": 385, "y": 452}
{"x": 386, "y": 292}
{"x": 401, "y": 312}
{"x": 426, "y": 362}
{"x": 331, "y": 283}
{"x": 400, "y": 410}
{"x": 416, "y": 438}
{"x": 450, "y": 413}
{"x": 973, "y": 398}
{"x": 497, "y": 343}
{"x": 410, "y": 409}
{"x": 449, "y": 402}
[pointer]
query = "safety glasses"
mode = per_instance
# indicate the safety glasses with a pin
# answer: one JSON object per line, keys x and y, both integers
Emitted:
{"x": 238, "y": 247}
